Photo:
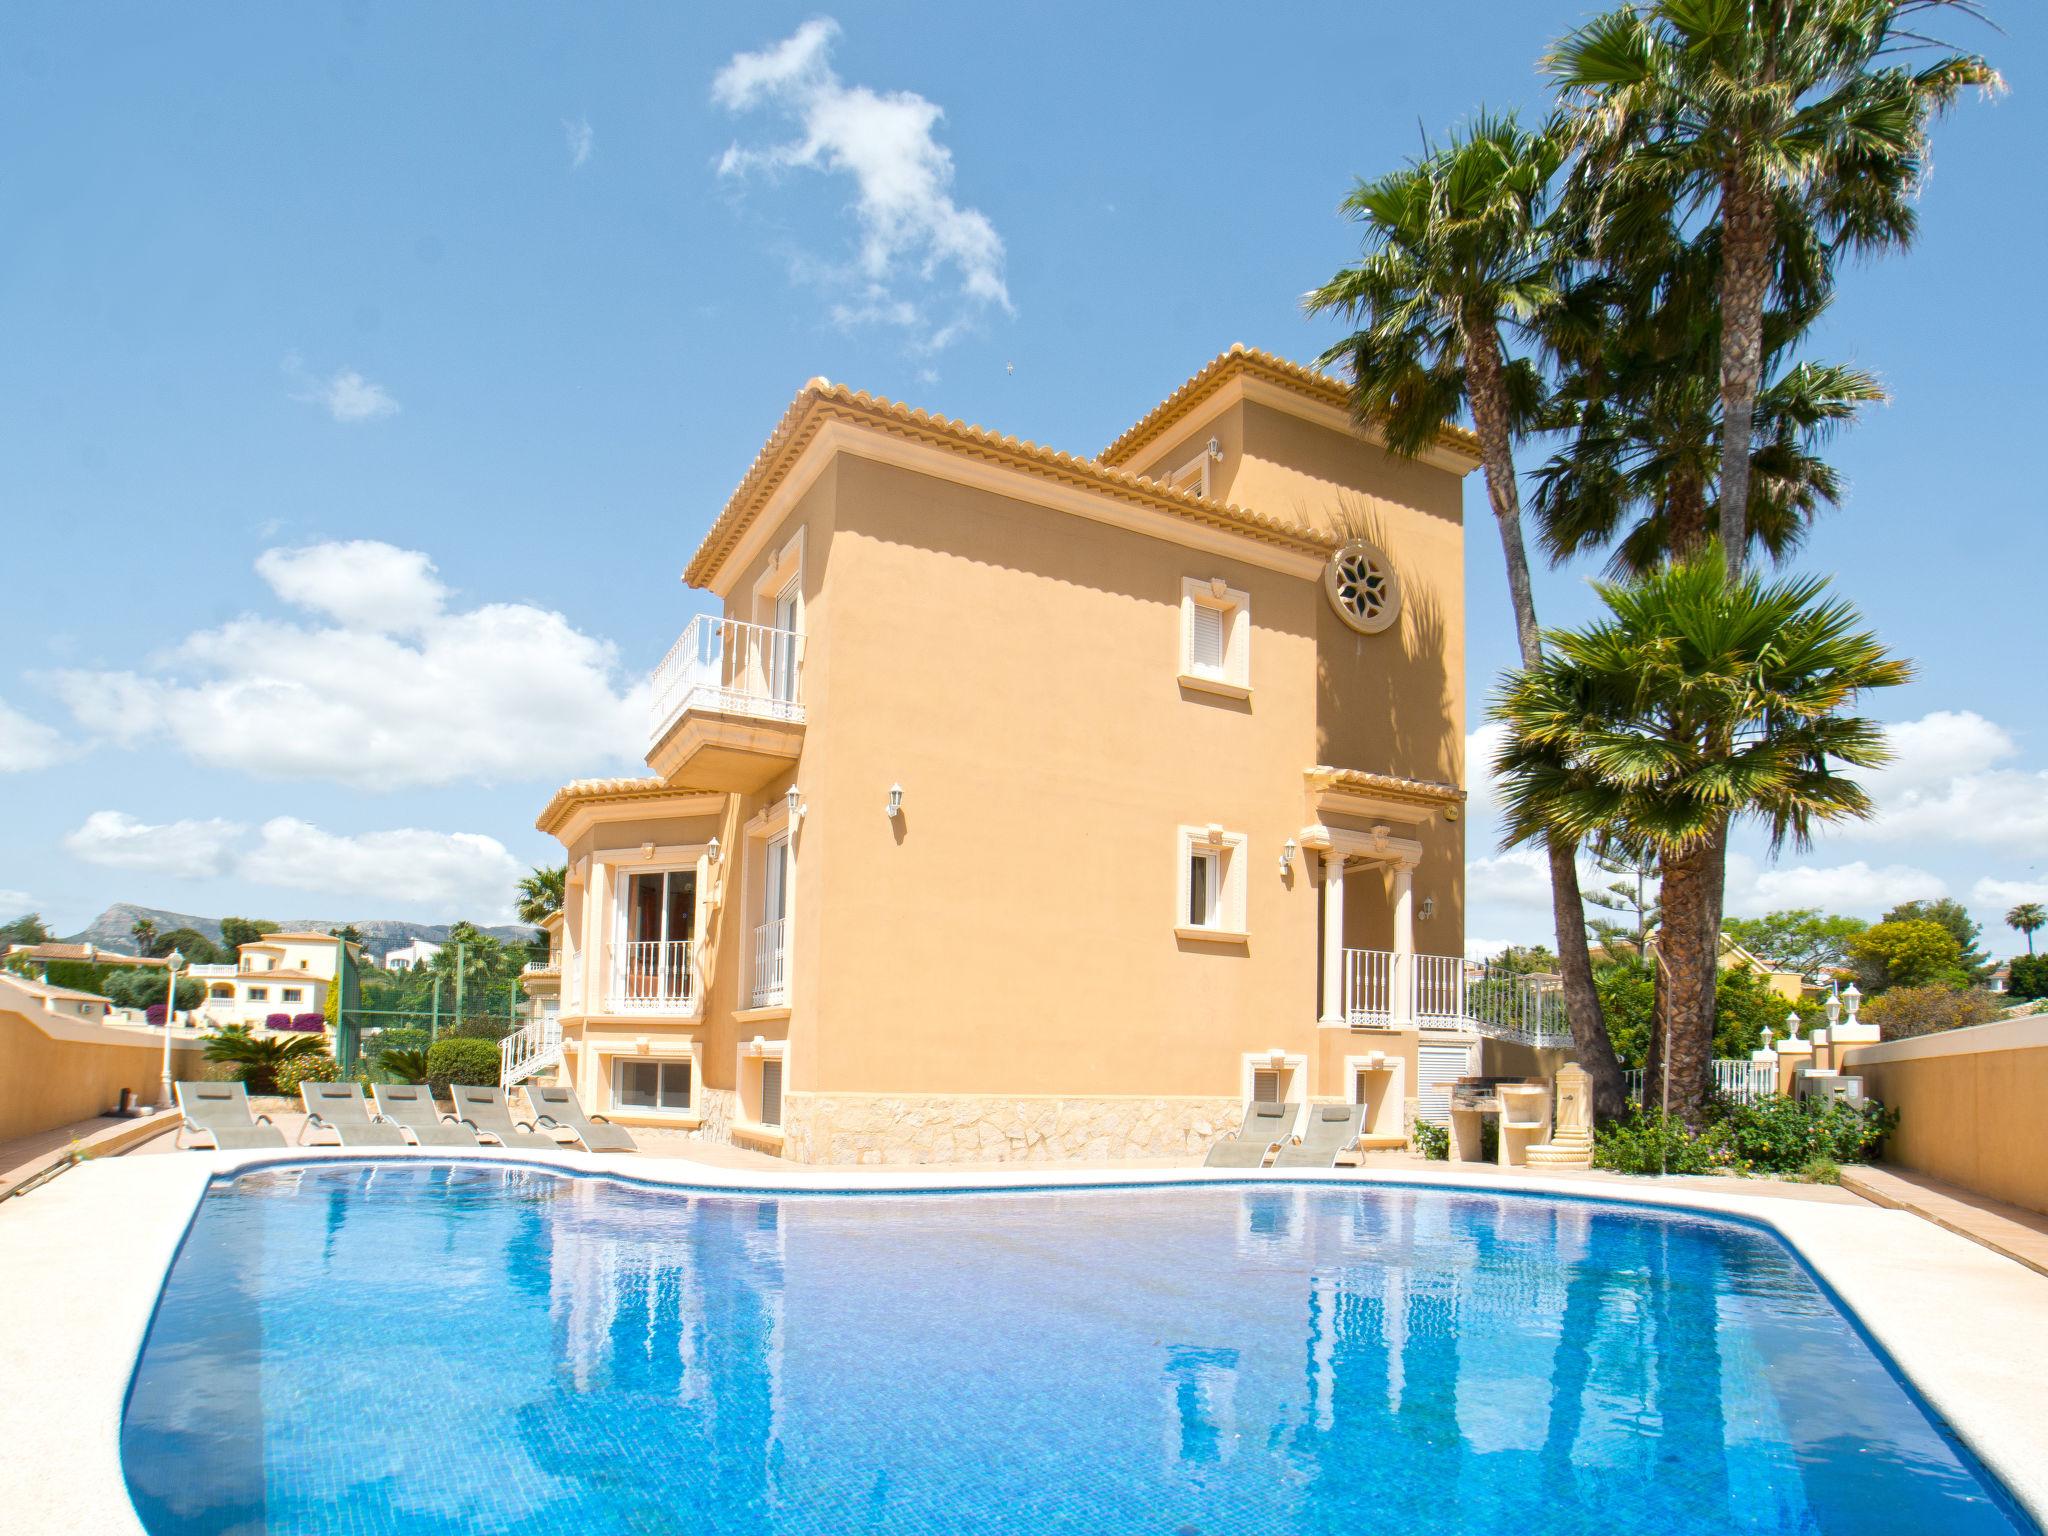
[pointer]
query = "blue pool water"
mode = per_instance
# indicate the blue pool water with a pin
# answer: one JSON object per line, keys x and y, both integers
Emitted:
{"x": 426, "y": 1349}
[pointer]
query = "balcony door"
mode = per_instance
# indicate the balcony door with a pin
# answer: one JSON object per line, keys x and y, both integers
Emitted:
{"x": 658, "y": 923}
{"x": 783, "y": 643}
{"x": 770, "y": 937}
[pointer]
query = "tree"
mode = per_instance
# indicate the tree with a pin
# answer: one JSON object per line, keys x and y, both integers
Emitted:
{"x": 1955, "y": 917}
{"x": 1632, "y": 893}
{"x": 27, "y": 929}
{"x": 195, "y": 946}
{"x": 1457, "y": 250}
{"x": 540, "y": 893}
{"x": 1700, "y": 697}
{"x": 143, "y": 986}
{"x": 1769, "y": 121}
{"x": 1744, "y": 1007}
{"x": 1906, "y": 952}
{"x": 2029, "y": 978}
{"x": 237, "y": 931}
{"x": 143, "y": 931}
{"x": 2029, "y": 918}
{"x": 256, "y": 1059}
{"x": 349, "y": 933}
{"x": 1904, "y": 1012}
{"x": 1804, "y": 939}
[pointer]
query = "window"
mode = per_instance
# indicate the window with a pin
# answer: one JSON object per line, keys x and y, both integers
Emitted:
{"x": 1193, "y": 476}
{"x": 1266, "y": 1086}
{"x": 1215, "y": 642}
{"x": 652, "y": 1085}
{"x": 771, "y": 1091}
{"x": 292, "y": 994}
{"x": 770, "y": 988}
{"x": 657, "y": 919}
{"x": 222, "y": 992}
{"x": 304, "y": 966}
{"x": 259, "y": 994}
{"x": 1211, "y": 896}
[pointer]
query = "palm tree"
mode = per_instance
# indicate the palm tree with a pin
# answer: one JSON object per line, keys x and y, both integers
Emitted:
{"x": 1699, "y": 698}
{"x": 1457, "y": 249}
{"x": 403, "y": 1064}
{"x": 256, "y": 1058}
{"x": 1775, "y": 120}
{"x": 2028, "y": 917}
{"x": 1637, "y": 349}
{"x": 143, "y": 931}
{"x": 540, "y": 893}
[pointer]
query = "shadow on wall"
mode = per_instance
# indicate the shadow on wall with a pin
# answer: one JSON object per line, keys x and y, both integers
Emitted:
{"x": 1402, "y": 716}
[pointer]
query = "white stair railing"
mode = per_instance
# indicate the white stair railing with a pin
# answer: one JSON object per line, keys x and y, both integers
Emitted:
{"x": 1382, "y": 990}
{"x": 526, "y": 1051}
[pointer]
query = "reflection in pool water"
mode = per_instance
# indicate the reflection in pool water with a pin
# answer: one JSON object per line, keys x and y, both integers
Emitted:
{"x": 432, "y": 1349}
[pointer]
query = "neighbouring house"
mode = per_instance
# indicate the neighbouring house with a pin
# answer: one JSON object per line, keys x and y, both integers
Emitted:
{"x": 36, "y": 959}
{"x": 2001, "y": 980}
{"x": 405, "y": 958}
{"x": 1017, "y": 805}
{"x": 279, "y": 973}
{"x": 66, "y": 1002}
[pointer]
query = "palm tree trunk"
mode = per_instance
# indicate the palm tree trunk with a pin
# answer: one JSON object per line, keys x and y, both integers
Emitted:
{"x": 1686, "y": 972}
{"x": 1745, "y": 275}
{"x": 1487, "y": 391}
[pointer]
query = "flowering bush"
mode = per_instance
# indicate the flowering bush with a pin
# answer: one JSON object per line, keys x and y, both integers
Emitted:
{"x": 1772, "y": 1135}
{"x": 309, "y": 1021}
{"x": 154, "y": 1013}
{"x": 313, "y": 1067}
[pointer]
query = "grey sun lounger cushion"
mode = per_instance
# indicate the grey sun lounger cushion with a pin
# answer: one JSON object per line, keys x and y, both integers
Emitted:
{"x": 487, "y": 1112}
{"x": 556, "y": 1106}
{"x": 221, "y": 1110}
{"x": 412, "y": 1106}
{"x": 1332, "y": 1131}
{"x": 1265, "y": 1127}
{"x": 339, "y": 1107}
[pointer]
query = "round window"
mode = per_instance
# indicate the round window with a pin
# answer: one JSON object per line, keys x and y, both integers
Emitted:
{"x": 1363, "y": 587}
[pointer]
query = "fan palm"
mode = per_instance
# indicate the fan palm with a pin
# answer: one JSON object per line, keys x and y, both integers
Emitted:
{"x": 1776, "y": 120}
{"x": 1457, "y": 250}
{"x": 540, "y": 893}
{"x": 1698, "y": 699}
{"x": 2028, "y": 917}
{"x": 403, "y": 1064}
{"x": 256, "y": 1058}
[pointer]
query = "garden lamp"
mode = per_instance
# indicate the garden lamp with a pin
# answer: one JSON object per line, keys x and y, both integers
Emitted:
{"x": 172, "y": 961}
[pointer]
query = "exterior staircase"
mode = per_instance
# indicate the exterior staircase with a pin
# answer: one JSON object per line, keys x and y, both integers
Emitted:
{"x": 1565, "y": 1149}
{"x": 536, "y": 1048}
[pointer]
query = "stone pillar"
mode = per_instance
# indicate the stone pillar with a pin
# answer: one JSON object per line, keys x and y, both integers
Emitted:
{"x": 1404, "y": 945}
{"x": 1333, "y": 938}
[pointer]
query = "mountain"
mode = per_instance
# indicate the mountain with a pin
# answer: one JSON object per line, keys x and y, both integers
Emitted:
{"x": 111, "y": 929}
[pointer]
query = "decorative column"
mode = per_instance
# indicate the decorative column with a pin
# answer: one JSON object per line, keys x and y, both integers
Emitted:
{"x": 1404, "y": 944}
{"x": 1333, "y": 938}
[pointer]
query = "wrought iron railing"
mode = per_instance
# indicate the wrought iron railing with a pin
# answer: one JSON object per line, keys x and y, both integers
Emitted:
{"x": 727, "y": 666}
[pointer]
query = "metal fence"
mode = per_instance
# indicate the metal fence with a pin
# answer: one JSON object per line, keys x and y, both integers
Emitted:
{"x": 1742, "y": 1081}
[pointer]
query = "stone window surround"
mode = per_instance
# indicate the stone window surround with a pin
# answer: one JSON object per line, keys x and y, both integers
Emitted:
{"x": 1229, "y": 924}
{"x": 1216, "y": 593}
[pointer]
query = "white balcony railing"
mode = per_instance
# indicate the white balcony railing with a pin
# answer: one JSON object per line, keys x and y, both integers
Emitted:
{"x": 1383, "y": 990}
{"x": 770, "y": 980}
{"x": 653, "y": 977}
{"x": 203, "y": 972}
{"x": 725, "y": 666}
{"x": 526, "y": 1051}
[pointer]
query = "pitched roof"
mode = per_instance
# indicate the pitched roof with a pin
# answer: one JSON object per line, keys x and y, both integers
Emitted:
{"x": 821, "y": 401}
{"x": 1243, "y": 361}
{"x": 600, "y": 791}
{"x": 90, "y": 952}
{"x": 1386, "y": 784}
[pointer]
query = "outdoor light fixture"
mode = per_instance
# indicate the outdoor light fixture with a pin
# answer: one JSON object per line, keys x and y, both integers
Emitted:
{"x": 172, "y": 961}
{"x": 1428, "y": 908}
{"x": 794, "y": 800}
{"x": 1834, "y": 1009}
{"x": 1215, "y": 449}
{"x": 711, "y": 851}
{"x": 1287, "y": 851}
{"x": 895, "y": 805}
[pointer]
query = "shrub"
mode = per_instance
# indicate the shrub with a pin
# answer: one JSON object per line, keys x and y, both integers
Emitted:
{"x": 277, "y": 1021}
{"x": 1649, "y": 1141}
{"x": 402, "y": 1065}
{"x": 1904, "y": 1012}
{"x": 459, "y": 1060}
{"x": 1820, "y": 1171}
{"x": 2029, "y": 977}
{"x": 401, "y": 1040}
{"x": 311, "y": 1068}
{"x": 309, "y": 1021}
{"x": 1782, "y": 1135}
{"x": 153, "y": 1014}
{"x": 1913, "y": 953}
{"x": 257, "y": 1059}
{"x": 1432, "y": 1141}
{"x": 1744, "y": 1006}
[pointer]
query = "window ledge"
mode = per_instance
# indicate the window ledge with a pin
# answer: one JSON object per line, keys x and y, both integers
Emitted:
{"x": 769, "y": 1015}
{"x": 753, "y": 1130}
{"x": 1213, "y": 936}
{"x": 1215, "y": 685}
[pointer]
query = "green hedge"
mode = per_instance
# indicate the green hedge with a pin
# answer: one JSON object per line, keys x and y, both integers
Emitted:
{"x": 473, "y": 1063}
{"x": 1773, "y": 1135}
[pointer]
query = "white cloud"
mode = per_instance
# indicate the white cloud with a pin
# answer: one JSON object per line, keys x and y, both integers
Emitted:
{"x": 462, "y": 872}
{"x": 389, "y": 687}
{"x": 2001, "y": 896}
{"x": 581, "y": 140}
{"x": 1857, "y": 888}
{"x": 1488, "y": 949}
{"x": 195, "y": 849}
{"x": 1945, "y": 785}
{"x": 1520, "y": 877}
{"x": 346, "y": 395}
{"x": 25, "y": 744}
{"x": 910, "y": 227}
{"x": 1482, "y": 793}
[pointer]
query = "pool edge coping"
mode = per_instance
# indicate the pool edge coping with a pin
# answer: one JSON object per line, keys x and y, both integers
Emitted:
{"x": 1837, "y": 1244}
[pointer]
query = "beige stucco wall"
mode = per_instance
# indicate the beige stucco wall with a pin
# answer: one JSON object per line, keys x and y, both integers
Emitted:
{"x": 1970, "y": 1106}
{"x": 54, "y": 1071}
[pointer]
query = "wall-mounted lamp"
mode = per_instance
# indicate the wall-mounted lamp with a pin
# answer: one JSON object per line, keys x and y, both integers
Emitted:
{"x": 711, "y": 851}
{"x": 1215, "y": 449}
{"x": 795, "y": 801}
{"x": 1288, "y": 850}
{"x": 1428, "y": 908}
{"x": 895, "y": 806}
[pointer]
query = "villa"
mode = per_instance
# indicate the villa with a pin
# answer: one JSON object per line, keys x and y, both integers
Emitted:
{"x": 278, "y": 973}
{"x": 407, "y": 956}
{"x": 1023, "y": 805}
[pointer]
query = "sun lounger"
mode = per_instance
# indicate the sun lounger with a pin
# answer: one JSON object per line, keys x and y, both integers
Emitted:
{"x": 558, "y": 1108}
{"x": 1332, "y": 1130}
{"x": 411, "y": 1107}
{"x": 1265, "y": 1127}
{"x": 221, "y": 1110}
{"x": 338, "y": 1108}
{"x": 485, "y": 1111}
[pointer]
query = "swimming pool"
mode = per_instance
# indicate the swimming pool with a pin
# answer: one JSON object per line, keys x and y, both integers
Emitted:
{"x": 430, "y": 1348}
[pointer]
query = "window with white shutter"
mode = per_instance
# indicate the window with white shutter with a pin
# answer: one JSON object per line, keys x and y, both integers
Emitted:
{"x": 1215, "y": 637}
{"x": 1266, "y": 1086}
{"x": 771, "y": 1091}
{"x": 1209, "y": 900}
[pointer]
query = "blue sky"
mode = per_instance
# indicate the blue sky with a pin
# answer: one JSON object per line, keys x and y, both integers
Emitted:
{"x": 368, "y": 373}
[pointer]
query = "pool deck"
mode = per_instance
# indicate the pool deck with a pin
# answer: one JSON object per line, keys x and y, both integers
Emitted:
{"x": 82, "y": 1259}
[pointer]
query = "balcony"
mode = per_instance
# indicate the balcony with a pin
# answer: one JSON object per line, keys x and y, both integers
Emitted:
{"x": 728, "y": 707}
{"x": 1382, "y": 989}
{"x": 654, "y": 977}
